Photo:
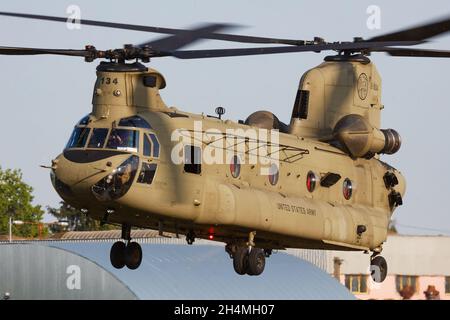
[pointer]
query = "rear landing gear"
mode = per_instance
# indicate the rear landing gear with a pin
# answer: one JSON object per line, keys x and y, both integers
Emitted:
{"x": 256, "y": 262}
{"x": 378, "y": 268}
{"x": 246, "y": 260}
{"x": 126, "y": 254}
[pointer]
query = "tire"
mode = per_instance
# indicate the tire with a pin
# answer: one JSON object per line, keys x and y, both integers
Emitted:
{"x": 240, "y": 261}
{"x": 378, "y": 269}
{"x": 256, "y": 262}
{"x": 133, "y": 255}
{"x": 117, "y": 255}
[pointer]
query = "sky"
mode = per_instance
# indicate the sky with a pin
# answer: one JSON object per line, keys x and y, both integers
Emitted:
{"x": 44, "y": 96}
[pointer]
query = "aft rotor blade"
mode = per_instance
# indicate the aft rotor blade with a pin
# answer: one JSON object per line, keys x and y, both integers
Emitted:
{"x": 125, "y": 26}
{"x": 430, "y": 53}
{"x": 421, "y": 32}
{"x": 350, "y": 46}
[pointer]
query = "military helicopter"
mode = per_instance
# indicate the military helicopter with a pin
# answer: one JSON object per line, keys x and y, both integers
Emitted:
{"x": 317, "y": 182}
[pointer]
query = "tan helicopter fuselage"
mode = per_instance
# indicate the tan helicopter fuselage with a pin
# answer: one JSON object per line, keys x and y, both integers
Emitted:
{"x": 215, "y": 204}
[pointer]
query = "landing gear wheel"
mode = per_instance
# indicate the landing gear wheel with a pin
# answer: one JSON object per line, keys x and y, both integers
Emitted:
{"x": 240, "y": 261}
{"x": 378, "y": 269}
{"x": 256, "y": 262}
{"x": 117, "y": 255}
{"x": 133, "y": 255}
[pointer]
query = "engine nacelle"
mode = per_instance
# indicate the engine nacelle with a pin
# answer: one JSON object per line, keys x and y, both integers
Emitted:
{"x": 266, "y": 120}
{"x": 360, "y": 139}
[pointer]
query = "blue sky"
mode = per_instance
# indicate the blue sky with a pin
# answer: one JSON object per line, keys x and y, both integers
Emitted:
{"x": 42, "y": 97}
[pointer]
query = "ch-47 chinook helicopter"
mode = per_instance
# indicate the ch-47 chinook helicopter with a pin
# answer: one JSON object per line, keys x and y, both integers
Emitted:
{"x": 327, "y": 189}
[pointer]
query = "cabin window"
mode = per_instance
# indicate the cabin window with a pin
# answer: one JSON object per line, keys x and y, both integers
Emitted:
{"x": 78, "y": 138}
{"x": 356, "y": 283}
{"x": 235, "y": 166}
{"x": 98, "y": 138}
{"x": 147, "y": 173}
{"x": 192, "y": 159}
{"x": 311, "y": 181}
{"x": 134, "y": 121}
{"x": 124, "y": 140}
{"x": 347, "y": 189}
{"x": 274, "y": 174}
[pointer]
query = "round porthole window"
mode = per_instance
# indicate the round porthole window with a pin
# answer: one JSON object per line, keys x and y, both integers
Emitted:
{"x": 347, "y": 189}
{"x": 311, "y": 181}
{"x": 235, "y": 167}
{"x": 273, "y": 174}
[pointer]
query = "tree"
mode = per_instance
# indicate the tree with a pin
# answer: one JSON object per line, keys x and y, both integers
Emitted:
{"x": 77, "y": 220}
{"x": 16, "y": 199}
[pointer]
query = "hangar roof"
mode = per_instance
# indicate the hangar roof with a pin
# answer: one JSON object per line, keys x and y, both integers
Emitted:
{"x": 174, "y": 271}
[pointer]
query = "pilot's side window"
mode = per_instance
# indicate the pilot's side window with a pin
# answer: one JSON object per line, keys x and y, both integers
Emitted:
{"x": 192, "y": 159}
{"x": 155, "y": 143}
{"x": 147, "y": 146}
{"x": 78, "y": 138}
{"x": 147, "y": 173}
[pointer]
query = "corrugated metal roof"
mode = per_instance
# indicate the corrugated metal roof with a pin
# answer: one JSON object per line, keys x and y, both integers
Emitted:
{"x": 171, "y": 271}
{"x": 30, "y": 271}
{"x": 108, "y": 234}
{"x": 405, "y": 255}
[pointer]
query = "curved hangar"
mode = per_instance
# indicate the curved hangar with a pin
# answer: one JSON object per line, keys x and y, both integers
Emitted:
{"x": 168, "y": 271}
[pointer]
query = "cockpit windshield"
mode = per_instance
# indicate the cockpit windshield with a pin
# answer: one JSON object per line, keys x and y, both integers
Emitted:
{"x": 78, "y": 138}
{"x": 98, "y": 138}
{"x": 123, "y": 139}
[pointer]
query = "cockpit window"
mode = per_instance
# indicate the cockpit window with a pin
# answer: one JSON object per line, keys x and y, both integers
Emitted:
{"x": 147, "y": 146}
{"x": 155, "y": 145}
{"x": 123, "y": 139}
{"x": 84, "y": 121}
{"x": 134, "y": 121}
{"x": 78, "y": 138}
{"x": 98, "y": 138}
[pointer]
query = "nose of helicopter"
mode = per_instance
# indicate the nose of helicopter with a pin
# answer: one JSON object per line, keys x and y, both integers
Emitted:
{"x": 81, "y": 177}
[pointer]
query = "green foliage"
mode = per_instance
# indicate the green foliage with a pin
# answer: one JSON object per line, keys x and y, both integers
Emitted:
{"x": 77, "y": 220}
{"x": 16, "y": 199}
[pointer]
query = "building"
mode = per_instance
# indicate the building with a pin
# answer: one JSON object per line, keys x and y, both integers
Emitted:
{"x": 415, "y": 264}
{"x": 80, "y": 269}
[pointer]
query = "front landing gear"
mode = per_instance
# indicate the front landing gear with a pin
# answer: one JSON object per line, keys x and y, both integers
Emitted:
{"x": 378, "y": 268}
{"x": 126, "y": 254}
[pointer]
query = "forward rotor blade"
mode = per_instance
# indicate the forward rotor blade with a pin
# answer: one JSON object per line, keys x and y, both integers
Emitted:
{"x": 186, "y": 37}
{"x": 35, "y": 51}
{"x": 213, "y": 36}
{"x": 421, "y": 32}
{"x": 400, "y": 52}
{"x": 350, "y": 46}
